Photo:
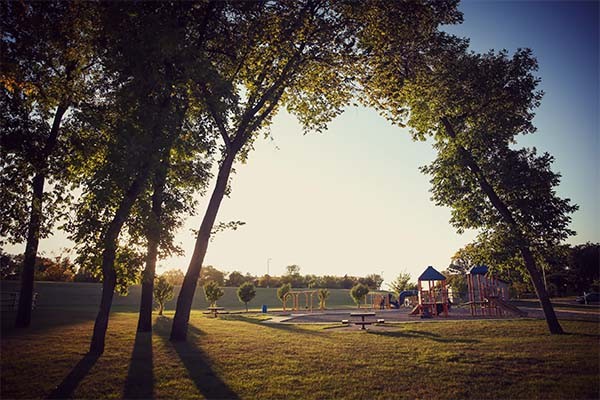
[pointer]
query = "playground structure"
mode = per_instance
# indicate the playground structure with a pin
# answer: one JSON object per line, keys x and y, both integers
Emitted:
{"x": 381, "y": 301}
{"x": 406, "y": 297}
{"x": 488, "y": 295}
{"x": 295, "y": 294}
{"x": 434, "y": 300}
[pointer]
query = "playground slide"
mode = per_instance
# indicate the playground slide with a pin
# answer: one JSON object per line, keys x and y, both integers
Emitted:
{"x": 416, "y": 310}
{"x": 507, "y": 307}
{"x": 404, "y": 294}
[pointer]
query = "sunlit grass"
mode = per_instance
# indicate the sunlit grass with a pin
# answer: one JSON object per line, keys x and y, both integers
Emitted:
{"x": 238, "y": 356}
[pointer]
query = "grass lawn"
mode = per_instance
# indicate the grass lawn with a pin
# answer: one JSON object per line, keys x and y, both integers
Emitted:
{"x": 237, "y": 356}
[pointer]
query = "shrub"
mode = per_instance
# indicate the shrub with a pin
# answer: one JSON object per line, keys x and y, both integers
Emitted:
{"x": 281, "y": 292}
{"x": 163, "y": 292}
{"x": 246, "y": 293}
{"x": 213, "y": 292}
{"x": 358, "y": 293}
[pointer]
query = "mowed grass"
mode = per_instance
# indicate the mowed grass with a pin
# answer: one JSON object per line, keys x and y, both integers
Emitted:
{"x": 238, "y": 356}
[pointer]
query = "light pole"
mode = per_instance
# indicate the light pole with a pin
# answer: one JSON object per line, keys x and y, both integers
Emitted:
{"x": 269, "y": 278}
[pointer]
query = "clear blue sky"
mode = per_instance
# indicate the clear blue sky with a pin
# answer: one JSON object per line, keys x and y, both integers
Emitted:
{"x": 351, "y": 200}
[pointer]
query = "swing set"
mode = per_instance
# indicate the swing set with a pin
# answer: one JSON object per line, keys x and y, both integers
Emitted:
{"x": 295, "y": 295}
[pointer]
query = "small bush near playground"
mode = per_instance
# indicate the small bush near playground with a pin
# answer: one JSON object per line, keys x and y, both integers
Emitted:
{"x": 358, "y": 293}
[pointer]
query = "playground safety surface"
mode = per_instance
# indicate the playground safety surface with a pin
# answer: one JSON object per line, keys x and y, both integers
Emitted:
{"x": 402, "y": 315}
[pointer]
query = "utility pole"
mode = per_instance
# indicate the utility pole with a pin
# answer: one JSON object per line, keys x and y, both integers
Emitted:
{"x": 268, "y": 264}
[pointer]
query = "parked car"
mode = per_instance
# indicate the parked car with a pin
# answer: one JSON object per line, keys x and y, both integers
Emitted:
{"x": 588, "y": 298}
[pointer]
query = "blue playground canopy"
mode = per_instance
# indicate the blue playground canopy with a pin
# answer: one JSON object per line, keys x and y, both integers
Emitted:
{"x": 478, "y": 270}
{"x": 431, "y": 274}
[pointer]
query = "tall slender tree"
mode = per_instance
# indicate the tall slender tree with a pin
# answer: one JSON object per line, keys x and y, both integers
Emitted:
{"x": 473, "y": 107}
{"x": 292, "y": 53}
{"x": 178, "y": 178}
{"x": 47, "y": 67}
{"x": 134, "y": 129}
{"x": 302, "y": 55}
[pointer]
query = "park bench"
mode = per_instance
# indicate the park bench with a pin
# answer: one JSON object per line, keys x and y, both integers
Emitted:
{"x": 216, "y": 310}
{"x": 362, "y": 316}
{"x": 9, "y": 301}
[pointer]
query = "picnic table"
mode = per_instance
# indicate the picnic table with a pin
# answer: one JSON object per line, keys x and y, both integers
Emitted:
{"x": 215, "y": 310}
{"x": 362, "y": 315}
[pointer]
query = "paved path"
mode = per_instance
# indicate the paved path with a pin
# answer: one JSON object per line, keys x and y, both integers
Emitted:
{"x": 456, "y": 313}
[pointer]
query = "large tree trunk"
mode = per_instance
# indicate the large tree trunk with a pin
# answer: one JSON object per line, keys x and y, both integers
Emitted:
{"x": 530, "y": 264}
{"x": 110, "y": 243}
{"x": 153, "y": 235}
{"x": 188, "y": 288}
{"x": 23, "y": 318}
{"x": 33, "y": 238}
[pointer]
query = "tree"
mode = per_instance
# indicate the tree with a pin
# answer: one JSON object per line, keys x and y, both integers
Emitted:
{"x": 137, "y": 123}
{"x": 292, "y": 53}
{"x": 323, "y": 296}
{"x": 10, "y": 266}
{"x": 213, "y": 292}
{"x": 182, "y": 172}
{"x": 283, "y": 290}
{"x": 173, "y": 276}
{"x": 358, "y": 293}
{"x": 292, "y": 270}
{"x": 60, "y": 269}
{"x": 372, "y": 281}
{"x": 235, "y": 279}
{"x": 47, "y": 68}
{"x": 246, "y": 293}
{"x": 583, "y": 262}
{"x": 210, "y": 273}
{"x": 474, "y": 106}
{"x": 163, "y": 292}
{"x": 266, "y": 281}
{"x": 402, "y": 283}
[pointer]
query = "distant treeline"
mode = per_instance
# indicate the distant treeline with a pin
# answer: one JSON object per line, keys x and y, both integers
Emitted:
{"x": 62, "y": 269}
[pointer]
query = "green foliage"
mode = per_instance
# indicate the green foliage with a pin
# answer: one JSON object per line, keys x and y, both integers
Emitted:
{"x": 372, "y": 281}
{"x": 163, "y": 292}
{"x": 281, "y": 292}
{"x": 128, "y": 266}
{"x": 236, "y": 279}
{"x": 174, "y": 276}
{"x": 402, "y": 283}
{"x": 210, "y": 273}
{"x": 223, "y": 226}
{"x": 583, "y": 262}
{"x": 246, "y": 292}
{"x": 60, "y": 269}
{"x": 358, "y": 293}
{"x": 213, "y": 292}
{"x": 267, "y": 281}
{"x": 47, "y": 68}
{"x": 292, "y": 270}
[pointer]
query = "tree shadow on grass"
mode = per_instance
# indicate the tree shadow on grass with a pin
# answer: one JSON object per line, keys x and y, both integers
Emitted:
{"x": 292, "y": 328}
{"x": 69, "y": 384}
{"x": 43, "y": 319}
{"x": 582, "y": 334}
{"x": 140, "y": 378}
{"x": 196, "y": 362}
{"x": 410, "y": 334}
